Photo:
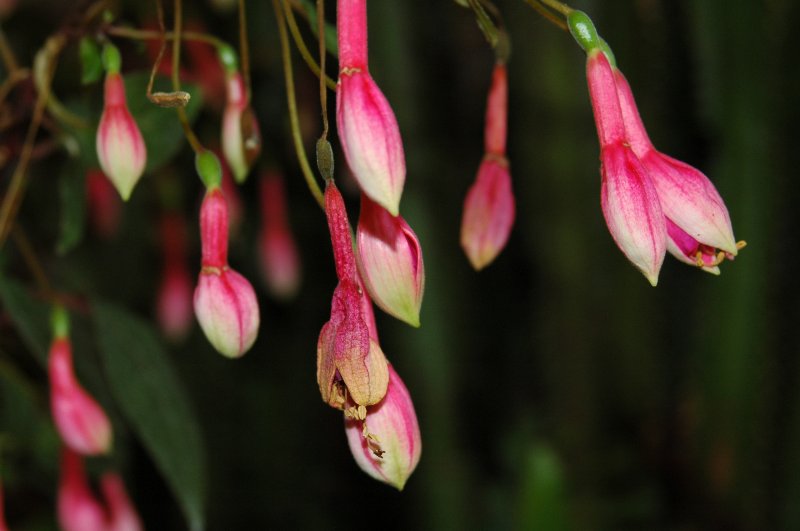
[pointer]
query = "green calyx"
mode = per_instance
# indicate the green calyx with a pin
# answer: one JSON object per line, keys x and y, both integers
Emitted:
{"x": 228, "y": 57}
{"x": 112, "y": 61}
{"x": 59, "y": 321}
{"x": 325, "y": 159}
{"x": 209, "y": 169}
{"x": 583, "y": 31}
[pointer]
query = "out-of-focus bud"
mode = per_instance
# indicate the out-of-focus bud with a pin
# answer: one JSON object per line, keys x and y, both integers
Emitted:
{"x": 120, "y": 146}
{"x": 387, "y": 444}
{"x": 103, "y": 204}
{"x": 79, "y": 419}
{"x": 3, "y": 523}
{"x": 224, "y": 301}
{"x": 241, "y": 138}
{"x": 122, "y": 515}
{"x": 390, "y": 262}
{"x": 280, "y": 260}
{"x": 78, "y": 508}
{"x": 174, "y": 303}
{"x": 367, "y": 126}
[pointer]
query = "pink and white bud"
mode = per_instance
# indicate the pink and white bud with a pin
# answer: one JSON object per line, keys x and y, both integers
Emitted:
{"x": 280, "y": 260}
{"x": 367, "y": 126}
{"x": 387, "y": 444}
{"x": 390, "y": 262}
{"x": 78, "y": 508}
{"x": 79, "y": 419}
{"x": 241, "y": 137}
{"x": 688, "y": 198}
{"x": 174, "y": 302}
{"x": 103, "y": 204}
{"x": 224, "y": 301}
{"x": 350, "y": 364}
{"x": 120, "y": 146}
{"x": 628, "y": 197}
{"x": 122, "y": 515}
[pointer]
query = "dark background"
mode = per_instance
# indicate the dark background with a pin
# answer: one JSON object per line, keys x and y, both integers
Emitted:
{"x": 554, "y": 390}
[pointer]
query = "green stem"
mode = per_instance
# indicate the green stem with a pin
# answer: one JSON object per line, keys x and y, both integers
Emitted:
{"x": 301, "y": 45}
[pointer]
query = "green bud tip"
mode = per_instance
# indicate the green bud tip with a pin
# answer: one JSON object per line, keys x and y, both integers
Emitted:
{"x": 208, "y": 168}
{"x": 59, "y": 321}
{"x": 325, "y": 159}
{"x": 228, "y": 57}
{"x": 583, "y": 31}
{"x": 606, "y": 49}
{"x": 112, "y": 61}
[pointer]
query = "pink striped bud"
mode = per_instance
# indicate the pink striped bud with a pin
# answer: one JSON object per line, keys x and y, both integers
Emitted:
{"x": 350, "y": 364}
{"x": 103, "y": 204}
{"x": 390, "y": 262}
{"x": 367, "y": 126}
{"x": 241, "y": 138}
{"x": 387, "y": 443}
{"x": 174, "y": 302}
{"x": 120, "y": 146}
{"x": 629, "y": 199}
{"x": 78, "y": 508}
{"x": 224, "y": 301}
{"x": 79, "y": 419}
{"x": 122, "y": 515}
{"x": 280, "y": 260}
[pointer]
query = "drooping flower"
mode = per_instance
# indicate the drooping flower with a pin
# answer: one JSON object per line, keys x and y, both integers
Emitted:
{"x": 174, "y": 302}
{"x": 350, "y": 365}
{"x": 224, "y": 301}
{"x": 120, "y": 146}
{"x": 629, "y": 198}
{"x": 122, "y": 515}
{"x": 102, "y": 203}
{"x": 78, "y": 507}
{"x": 241, "y": 137}
{"x": 79, "y": 419}
{"x": 386, "y": 444}
{"x": 489, "y": 207}
{"x": 280, "y": 260}
{"x": 390, "y": 262}
{"x": 367, "y": 126}
{"x": 698, "y": 224}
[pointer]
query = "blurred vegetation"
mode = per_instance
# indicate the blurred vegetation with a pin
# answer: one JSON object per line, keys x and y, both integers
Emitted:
{"x": 556, "y": 389}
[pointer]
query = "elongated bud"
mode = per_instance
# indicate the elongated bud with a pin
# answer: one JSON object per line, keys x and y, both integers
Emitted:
{"x": 387, "y": 444}
{"x": 174, "y": 303}
{"x": 280, "y": 260}
{"x": 390, "y": 262}
{"x": 120, "y": 146}
{"x": 241, "y": 137}
{"x": 79, "y": 419}
{"x": 103, "y": 204}
{"x": 78, "y": 508}
{"x": 122, "y": 515}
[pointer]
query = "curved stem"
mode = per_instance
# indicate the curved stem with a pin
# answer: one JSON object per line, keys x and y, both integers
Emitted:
{"x": 292, "y": 103}
{"x": 301, "y": 45}
{"x": 136, "y": 34}
{"x": 244, "y": 49}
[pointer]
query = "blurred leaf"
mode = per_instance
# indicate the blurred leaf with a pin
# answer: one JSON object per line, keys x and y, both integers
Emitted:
{"x": 542, "y": 501}
{"x": 31, "y": 317}
{"x": 152, "y": 398}
{"x": 72, "y": 193}
{"x": 91, "y": 65}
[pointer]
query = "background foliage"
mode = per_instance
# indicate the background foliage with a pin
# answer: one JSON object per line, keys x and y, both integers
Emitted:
{"x": 555, "y": 390}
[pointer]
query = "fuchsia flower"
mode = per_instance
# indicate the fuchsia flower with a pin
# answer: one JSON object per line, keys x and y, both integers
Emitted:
{"x": 79, "y": 419}
{"x": 489, "y": 207}
{"x": 78, "y": 508}
{"x": 122, "y": 515}
{"x": 280, "y": 260}
{"x": 390, "y": 262}
{"x": 174, "y": 302}
{"x": 699, "y": 228}
{"x": 103, "y": 204}
{"x": 224, "y": 301}
{"x": 367, "y": 126}
{"x": 629, "y": 199}
{"x": 241, "y": 138}
{"x": 350, "y": 364}
{"x": 120, "y": 146}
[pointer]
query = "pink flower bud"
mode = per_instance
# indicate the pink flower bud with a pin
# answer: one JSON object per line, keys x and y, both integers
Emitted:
{"x": 120, "y": 146}
{"x": 78, "y": 508}
{"x": 102, "y": 203}
{"x": 280, "y": 260}
{"x": 234, "y": 199}
{"x": 688, "y": 198}
{"x": 629, "y": 199}
{"x": 390, "y": 262}
{"x": 367, "y": 126}
{"x": 241, "y": 138}
{"x": 79, "y": 419}
{"x": 3, "y": 524}
{"x": 387, "y": 444}
{"x": 122, "y": 514}
{"x": 350, "y": 364}
{"x": 174, "y": 303}
{"x": 224, "y": 301}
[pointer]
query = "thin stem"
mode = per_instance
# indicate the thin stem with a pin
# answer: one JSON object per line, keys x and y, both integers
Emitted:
{"x": 136, "y": 34}
{"x": 323, "y": 93}
{"x": 244, "y": 49}
{"x": 292, "y": 103}
{"x": 34, "y": 265}
{"x": 301, "y": 45}
{"x": 484, "y": 22}
{"x": 557, "y": 6}
{"x": 7, "y": 54}
{"x": 549, "y": 15}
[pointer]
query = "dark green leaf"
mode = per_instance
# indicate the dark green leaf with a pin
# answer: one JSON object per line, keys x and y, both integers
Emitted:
{"x": 151, "y": 396}
{"x": 30, "y": 316}
{"x": 72, "y": 192}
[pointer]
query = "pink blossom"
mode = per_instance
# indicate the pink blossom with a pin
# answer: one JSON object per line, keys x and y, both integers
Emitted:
{"x": 78, "y": 507}
{"x": 174, "y": 300}
{"x": 280, "y": 259}
{"x": 241, "y": 138}
{"x": 122, "y": 515}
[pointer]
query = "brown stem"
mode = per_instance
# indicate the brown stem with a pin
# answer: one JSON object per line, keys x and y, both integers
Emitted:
{"x": 323, "y": 92}
{"x": 244, "y": 49}
{"x": 301, "y": 45}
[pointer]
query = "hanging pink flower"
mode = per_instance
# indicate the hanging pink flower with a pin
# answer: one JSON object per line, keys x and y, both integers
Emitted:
{"x": 280, "y": 259}
{"x": 78, "y": 507}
